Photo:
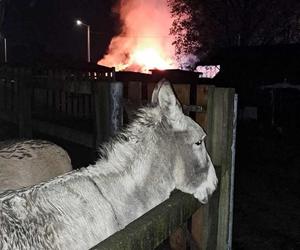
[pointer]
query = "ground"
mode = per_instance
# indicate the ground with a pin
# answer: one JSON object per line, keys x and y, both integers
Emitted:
{"x": 266, "y": 204}
{"x": 266, "y": 207}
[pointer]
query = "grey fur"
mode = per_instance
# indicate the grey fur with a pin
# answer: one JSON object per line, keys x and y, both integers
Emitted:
{"x": 28, "y": 162}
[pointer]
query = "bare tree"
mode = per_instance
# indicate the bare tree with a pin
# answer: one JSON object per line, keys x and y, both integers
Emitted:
{"x": 200, "y": 25}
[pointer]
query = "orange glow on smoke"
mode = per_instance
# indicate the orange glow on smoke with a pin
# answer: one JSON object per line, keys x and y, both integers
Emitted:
{"x": 144, "y": 42}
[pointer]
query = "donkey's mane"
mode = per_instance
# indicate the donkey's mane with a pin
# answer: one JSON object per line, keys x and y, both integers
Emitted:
{"x": 112, "y": 154}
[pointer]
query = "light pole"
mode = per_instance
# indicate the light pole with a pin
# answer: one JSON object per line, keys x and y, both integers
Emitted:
{"x": 5, "y": 50}
{"x": 80, "y": 23}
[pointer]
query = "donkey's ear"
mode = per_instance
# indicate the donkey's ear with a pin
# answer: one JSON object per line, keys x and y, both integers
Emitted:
{"x": 164, "y": 96}
{"x": 154, "y": 99}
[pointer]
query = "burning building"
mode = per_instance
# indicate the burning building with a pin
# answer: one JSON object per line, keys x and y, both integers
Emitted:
{"x": 144, "y": 42}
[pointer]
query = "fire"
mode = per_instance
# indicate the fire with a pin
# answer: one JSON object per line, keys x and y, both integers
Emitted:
{"x": 149, "y": 58}
{"x": 144, "y": 42}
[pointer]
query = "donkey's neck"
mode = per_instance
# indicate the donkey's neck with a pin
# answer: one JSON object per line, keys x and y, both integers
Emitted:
{"x": 131, "y": 177}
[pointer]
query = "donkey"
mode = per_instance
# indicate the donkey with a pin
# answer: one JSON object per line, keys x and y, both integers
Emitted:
{"x": 161, "y": 150}
{"x": 29, "y": 162}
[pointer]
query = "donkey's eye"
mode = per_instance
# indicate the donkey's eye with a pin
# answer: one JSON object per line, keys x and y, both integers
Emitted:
{"x": 198, "y": 143}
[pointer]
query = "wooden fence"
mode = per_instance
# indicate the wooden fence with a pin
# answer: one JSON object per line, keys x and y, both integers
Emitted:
{"x": 86, "y": 108}
{"x": 74, "y": 106}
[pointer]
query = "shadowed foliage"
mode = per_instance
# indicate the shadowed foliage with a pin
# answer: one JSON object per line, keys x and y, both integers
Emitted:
{"x": 202, "y": 25}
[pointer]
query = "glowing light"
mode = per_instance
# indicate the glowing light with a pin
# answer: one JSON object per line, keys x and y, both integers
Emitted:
{"x": 78, "y": 22}
{"x": 149, "y": 58}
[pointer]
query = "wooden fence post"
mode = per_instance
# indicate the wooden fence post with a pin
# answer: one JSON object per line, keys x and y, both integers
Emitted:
{"x": 116, "y": 107}
{"x": 204, "y": 221}
{"x": 108, "y": 98}
{"x": 24, "y": 104}
{"x": 101, "y": 102}
{"x": 212, "y": 223}
{"x": 221, "y": 146}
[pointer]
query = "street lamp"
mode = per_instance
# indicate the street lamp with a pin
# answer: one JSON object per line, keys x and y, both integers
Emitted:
{"x": 80, "y": 23}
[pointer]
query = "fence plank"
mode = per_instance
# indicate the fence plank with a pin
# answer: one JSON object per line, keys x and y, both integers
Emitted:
{"x": 155, "y": 226}
{"x": 2, "y": 96}
{"x": 68, "y": 134}
{"x": 101, "y": 104}
{"x": 116, "y": 107}
{"x": 227, "y": 158}
{"x": 202, "y": 95}
{"x": 232, "y": 172}
{"x": 150, "y": 88}
{"x": 201, "y": 220}
{"x": 183, "y": 93}
{"x": 24, "y": 105}
{"x": 220, "y": 146}
{"x": 135, "y": 93}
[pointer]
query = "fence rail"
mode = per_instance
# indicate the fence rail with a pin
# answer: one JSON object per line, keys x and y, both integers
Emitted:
{"x": 150, "y": 230}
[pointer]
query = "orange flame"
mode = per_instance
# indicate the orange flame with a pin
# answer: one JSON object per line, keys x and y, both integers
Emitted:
{"x": 144, "y": 42}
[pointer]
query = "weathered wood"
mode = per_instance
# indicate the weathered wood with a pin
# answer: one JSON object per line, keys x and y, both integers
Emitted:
{"x": 194, "y": 108}
{"x": 201, "y": 222}
{"x": 108, "y": 97}
{"x": 75, "y": 105}
{"x": 152, "y": 228}
{"x": 9, "y": 116}
{"x": 2, "y": 97}
{"x": 133, "y": 99}
{"x": 67, "y": 92}
{"x": 69, "y": 106}
{"x": 68, "y": 134}
{"x": 197, "y": 227}
{"x": 150, "y": 88}
{"x": 178, "y": 239}
{"x": 102, "y": 116}
{"x": 63, "y": 102}
{"x": 116, "y": 107}
{"x": 225, "y": 182}
{"x": 201, "y": 100}
{"x": 135, "y": 93}
{"x": 24, "y": 104}
{"x": 74, "y": 86}
{"x": 232, "y": 173}
{"x": 220, "y": 146}
{"x": 183, "y": 93}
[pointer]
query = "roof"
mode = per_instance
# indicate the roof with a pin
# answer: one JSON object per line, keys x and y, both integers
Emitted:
{"x": 258, "y": 63}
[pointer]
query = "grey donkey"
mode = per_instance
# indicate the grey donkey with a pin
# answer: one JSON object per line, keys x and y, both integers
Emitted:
{"x": 161, "y": 150}
{"x": 28, "y": 162}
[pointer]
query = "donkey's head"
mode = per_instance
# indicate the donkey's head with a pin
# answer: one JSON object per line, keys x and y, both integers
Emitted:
{"x": 193, "y": 170}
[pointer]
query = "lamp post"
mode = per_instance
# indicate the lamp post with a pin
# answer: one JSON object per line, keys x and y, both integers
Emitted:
{"x": 80, "y": 23}
{"x": 5, "y": 50}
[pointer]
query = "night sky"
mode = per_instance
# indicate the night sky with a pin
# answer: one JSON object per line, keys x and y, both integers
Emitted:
{"x": 46, "y": 30}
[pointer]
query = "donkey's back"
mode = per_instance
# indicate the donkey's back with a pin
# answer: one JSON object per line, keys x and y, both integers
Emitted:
{"x": 29, "y": 162}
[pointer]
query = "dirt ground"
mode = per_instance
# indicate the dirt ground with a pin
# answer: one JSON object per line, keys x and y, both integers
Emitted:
{"x": 266, "y": 204}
